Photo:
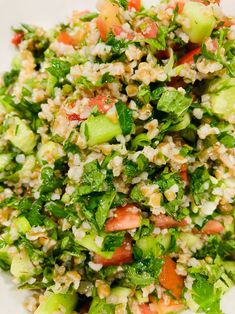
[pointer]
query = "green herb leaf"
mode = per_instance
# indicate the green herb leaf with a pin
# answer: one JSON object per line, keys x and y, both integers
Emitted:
{"x": 103, "y": 208}
{"x": 125, "y": 117}
{"x": 174, "y": 102}
{"x": 59, "y": 68}
{"x": 113, "y": 241}
{"x": 89, "y": 17}
{"x": 206, "y": 296}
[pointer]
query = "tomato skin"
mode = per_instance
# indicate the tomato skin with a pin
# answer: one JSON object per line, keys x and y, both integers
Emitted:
{"x": 134, "y": 4}
{"x": 103, "y": 29}
{"x": 183, "y": 173}
{"x": 164, "y": 222}
{"x": 117, "y": 30}
{"x": 122, "y": 255}
{"x": 125, "y": 218}
{"x": 169, "y": 279}
{"x": 145, "y": 309}
{"x": 151, "y": 30}
{"x": 180, "y": 5}
{"x": 103, "y": 103}
{"x": 65, "y": 38}
{"x": 212, "y": 227}
{"x": 17, "y": 38}
{"x": 74, "y": 117}
{"x": 160, "y": 307}
{"x": 189, "y": 57}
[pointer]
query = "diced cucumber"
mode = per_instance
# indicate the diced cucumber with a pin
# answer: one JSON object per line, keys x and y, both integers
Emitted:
{"x": 99, "y": 129}
{"x": 222, "y": 96}
{"x": 199, "y": 21}
{"x": 53, "y": 303}
{"x": 5, "y": 260}
{"x": 88, "y": 241}
{"x": 21, "y": 266}
{"x": 5, "y": 160}
{"x": 22, "y": 224}
{"x": 224, "y": 283}
{"x": 229, "y": 266}
{"x": 140, "y": 297}
{"x": 27, "y": 167}
{"x": 191, "y": 303}
{"x": 182, "y": 124}
{"x": 191, "y": 240}
{"x": 149, "y": 245}
{"x": 155, "y": 246}
{"x": 164, "y": 240}
{"x": 50, "y": 150}
{"x": 119, "y": 295}
{"x": 20, "y": 135}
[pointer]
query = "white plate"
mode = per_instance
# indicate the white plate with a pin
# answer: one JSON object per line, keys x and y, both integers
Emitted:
{"x": 46, "y": 13}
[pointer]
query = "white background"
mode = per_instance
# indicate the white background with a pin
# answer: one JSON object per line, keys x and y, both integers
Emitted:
{"x": 46, "y": 13}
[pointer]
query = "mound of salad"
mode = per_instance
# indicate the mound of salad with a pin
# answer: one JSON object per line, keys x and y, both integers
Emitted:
{"x": 117, "y": 160}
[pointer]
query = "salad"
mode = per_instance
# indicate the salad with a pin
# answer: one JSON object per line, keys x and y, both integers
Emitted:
{"x": 117, "y": 160}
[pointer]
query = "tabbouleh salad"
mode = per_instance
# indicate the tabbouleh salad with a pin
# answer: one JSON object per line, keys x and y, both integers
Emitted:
{"x": 117, "y": 160}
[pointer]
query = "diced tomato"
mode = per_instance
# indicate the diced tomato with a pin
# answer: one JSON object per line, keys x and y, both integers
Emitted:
{"x": 227, "y": 22}
{"x": 102, "y": 27}
{"x": 74, "y": 117}
{"x": 164, "y": 222}
{"x": 183, "y": 173}
{"x": 103, "y": 103}
{"x": 212, "y": 227}
{"x": 180, "y": 5}
{"x": 17, "y": 38}
{"x": 65, "y": 38}
{"x": 108, "y": 17}
{"x": 118, "y": 30}
{"x": 160, "y": 307}
{"x": 134, "y": 4}
{"x": 125, "y": 218}
{"x": 169, "y": 279}
{"x": 150, "y": 30}
{"x": 121, "y": 255}
{"x": 189, "y": 57}
{"x": 145, "y": 309}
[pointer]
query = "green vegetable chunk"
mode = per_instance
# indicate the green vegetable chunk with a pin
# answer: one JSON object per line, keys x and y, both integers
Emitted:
{"x": 5, "y": 159}
{"x": 21, "y": 266}
{"x": 198, "y": 22}
{"x": 20, "y": 135}
{"x": 100, "y": 129}
{"x": 54, "y": 302}
{"x": 174, "y": 102}
{"x": 222, "y": 94}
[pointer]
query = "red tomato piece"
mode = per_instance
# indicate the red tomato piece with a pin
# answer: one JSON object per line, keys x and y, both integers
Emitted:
{"x": 212, "y": 227}
{"x": 121, "y": 255}
{"x": 180, "y": 5}
{"x": 103, "y": 103}
{"x": 102, "y": 27}
{"x": 145, "y": 309}
{"x": 189, "y": 57}
{"x": 164, "y": 222}
{"x": 150, "y": 30}
{"x": 125, "y": 218}
{"x": 134, "y": 4}
{"x": 65, "y": 38}
{"x": 17, "y": 38}
{"x": 74, "y": 117}
{"x": 183, "y": 173}
{"x": 160, "y": 307}
{"x": 118, "y": 30}
{"x": 169, "y": 279}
